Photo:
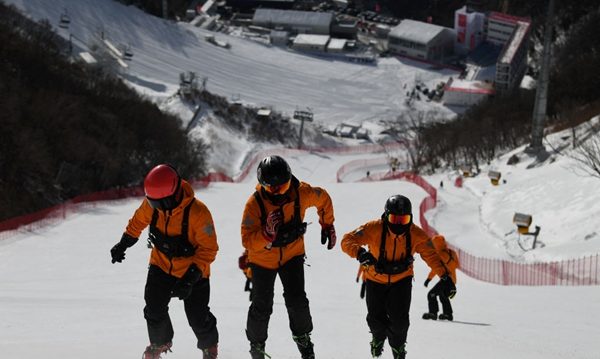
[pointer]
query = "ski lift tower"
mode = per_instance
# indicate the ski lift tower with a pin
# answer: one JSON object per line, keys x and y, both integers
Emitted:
{"x": 541, "y": 96}
{"x": 306, "y": 115}
{"x": 63, "y": 23}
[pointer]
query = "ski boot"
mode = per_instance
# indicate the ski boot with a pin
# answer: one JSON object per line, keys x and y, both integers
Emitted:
{"x": 257, "y": 351}
{"x": 445, "y": 316}
{"x": 210, "y": 352}
{"x": 432, "y": 316}
{"x": 305, "y": 346}
{"x": 377, "y": 347}
{"x": 400, "y": 352}
{"x": 153, "y": 351}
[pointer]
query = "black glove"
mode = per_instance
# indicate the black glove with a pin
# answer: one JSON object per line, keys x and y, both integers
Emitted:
{"x": 427, "y": 282}
{"x": 117, "y": 252}
{"x": 448, "y": 286}
{"x": 328, "y": 234}
{"x": 183, "y": 286}
{"x": 365, "y": 258}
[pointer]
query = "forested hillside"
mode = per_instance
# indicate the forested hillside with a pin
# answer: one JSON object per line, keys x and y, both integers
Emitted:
{"x": 68, "y": 129}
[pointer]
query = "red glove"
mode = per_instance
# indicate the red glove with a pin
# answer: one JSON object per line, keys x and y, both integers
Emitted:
{"x": 328, "y": 234}
{"x": 274, "y": 219}
{"x": 243, "y": 261}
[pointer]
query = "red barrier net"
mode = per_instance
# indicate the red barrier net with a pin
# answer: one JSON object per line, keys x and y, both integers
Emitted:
{"x": 581, "y": 271}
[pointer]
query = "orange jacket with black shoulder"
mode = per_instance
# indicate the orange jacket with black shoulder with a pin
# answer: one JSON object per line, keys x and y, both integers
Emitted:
{"x": 369, "y": 234}
{"x": 252, "y": 232}
{"x": 201, "y": 233}
{"x": 448, "y": 256}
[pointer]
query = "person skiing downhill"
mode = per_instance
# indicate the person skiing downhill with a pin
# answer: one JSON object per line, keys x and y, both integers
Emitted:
{"x": 184, "y": 244}
{"x": 272, "y": 232}
{"x": 392, "y": 241}
{"x": 441, "y": 289}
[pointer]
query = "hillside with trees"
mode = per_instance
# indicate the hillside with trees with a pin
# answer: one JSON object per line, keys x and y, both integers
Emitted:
{"x": 504, "y": 122}
{"x": 68, "y": 129}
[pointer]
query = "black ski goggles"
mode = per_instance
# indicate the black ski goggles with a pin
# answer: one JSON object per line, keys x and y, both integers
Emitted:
{"x": 166, "y": 203}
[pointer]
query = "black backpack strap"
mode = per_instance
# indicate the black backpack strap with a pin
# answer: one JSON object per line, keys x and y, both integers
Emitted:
{"x": 382, "y": 254}
{"x": 408, "y": 244}
{"x": 382, "y": 261}
{"x": 297, "y": 202}
{"x": 154, "y": 219}
{"x": 172, "y": 246}
{"x": 185, "y": 221}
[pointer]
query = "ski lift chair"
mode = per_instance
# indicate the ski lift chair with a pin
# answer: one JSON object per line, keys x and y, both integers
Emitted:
{"x": 127, "y": 53}
{"x": 65, "y": 20}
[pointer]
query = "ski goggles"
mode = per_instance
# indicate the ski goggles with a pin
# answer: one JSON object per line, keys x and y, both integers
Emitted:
{"x": 277, "y": 189}
{"x": 166, "y": 203}
{"x": 403, "y": 219}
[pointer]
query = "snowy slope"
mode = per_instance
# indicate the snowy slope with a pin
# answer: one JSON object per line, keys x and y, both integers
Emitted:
{"x": 336, "y": 91}
{"x": 61, "y": 296}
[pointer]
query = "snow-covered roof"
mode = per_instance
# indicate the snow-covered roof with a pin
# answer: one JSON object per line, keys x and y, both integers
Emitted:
{"x": 416, "y": 31}
{"x": 309, "y": 39}
{"x": 87, "y": 57}
{"x": 517, "y": 39}
{"x": 501, "y": 17}
{"x": 292, "y": 17}
{"x": 475, "y": 87}
{"x": 337, "y": 44}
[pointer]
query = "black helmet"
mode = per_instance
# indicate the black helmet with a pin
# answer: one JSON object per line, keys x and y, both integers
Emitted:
{"x": 273, "y": 171}
{"x": 398, "y": 204}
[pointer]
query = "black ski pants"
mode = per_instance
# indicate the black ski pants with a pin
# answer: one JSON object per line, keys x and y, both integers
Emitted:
{"x": 158, "y": 295}
{"x": 387, "y": 310}
{"x": 438, "y": 291}
{"x": 291, "y": 275}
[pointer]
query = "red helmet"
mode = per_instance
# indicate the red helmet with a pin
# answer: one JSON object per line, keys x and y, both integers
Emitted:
{"x": 162, "y": 186}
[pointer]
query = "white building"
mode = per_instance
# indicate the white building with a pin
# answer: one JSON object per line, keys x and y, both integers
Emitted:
{"x": 336, "y": 45}
{"x": 308, "y": 42}
{"x": 469, "y": 27}
{"x": 466, "y": 93}
{"x": 302, "y": 22}
{"x": 421, "y": 40}
{"x": 513, "y": 34}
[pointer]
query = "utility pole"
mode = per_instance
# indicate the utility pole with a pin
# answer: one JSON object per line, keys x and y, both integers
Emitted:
{"x": 541, "y": 95}
{"x": 165, "y": 9}
{"x": 302, "y": 116}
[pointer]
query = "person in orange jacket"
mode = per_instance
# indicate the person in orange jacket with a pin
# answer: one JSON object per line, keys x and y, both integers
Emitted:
{"x": 184, "y": 244}
{"x": 273, "y": 234}
{"x": 391, "y": 243}
{"x": 444, "y": 290}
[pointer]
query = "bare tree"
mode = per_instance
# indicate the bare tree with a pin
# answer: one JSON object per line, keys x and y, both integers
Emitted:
{"x": 587, "y": 154}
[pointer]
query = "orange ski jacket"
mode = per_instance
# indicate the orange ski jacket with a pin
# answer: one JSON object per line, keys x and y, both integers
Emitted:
{"x": 395, "y": 247}
{"x": 201, "y": 233}
{"x": 253, "y": 239}
{"x": 448, "y": 256}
